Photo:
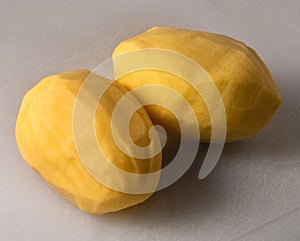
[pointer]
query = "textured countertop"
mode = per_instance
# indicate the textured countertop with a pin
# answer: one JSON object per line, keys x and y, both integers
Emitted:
{"x": 254, "y": 192}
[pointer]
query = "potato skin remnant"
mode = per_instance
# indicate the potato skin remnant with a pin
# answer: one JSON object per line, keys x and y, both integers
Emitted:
{"x": 248, "y": 91}
{"x": 44, "y": 137}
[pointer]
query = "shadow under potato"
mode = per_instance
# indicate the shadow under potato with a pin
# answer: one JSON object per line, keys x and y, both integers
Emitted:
{"x": 192, "y": 198}
{"x": 187, "y": 196}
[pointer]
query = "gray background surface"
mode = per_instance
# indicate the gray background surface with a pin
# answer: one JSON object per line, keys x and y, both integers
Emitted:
{"x": 253, "y": 194}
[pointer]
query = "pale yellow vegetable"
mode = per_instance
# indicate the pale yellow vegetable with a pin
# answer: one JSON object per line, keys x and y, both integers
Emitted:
{"x": 248, "y": 91}
{"x": 45, "y": 139}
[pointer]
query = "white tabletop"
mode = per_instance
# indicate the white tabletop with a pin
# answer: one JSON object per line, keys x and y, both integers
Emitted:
{"x": 253, "y": 194}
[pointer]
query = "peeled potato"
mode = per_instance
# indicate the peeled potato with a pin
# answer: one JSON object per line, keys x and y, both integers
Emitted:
{"x": 45, "y": 139}
{"x": 249, "y": 93}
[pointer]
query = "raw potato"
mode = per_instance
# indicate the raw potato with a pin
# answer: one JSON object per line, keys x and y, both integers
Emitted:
{"x": 45, "y": 139}
{"x": 248, "y": 91}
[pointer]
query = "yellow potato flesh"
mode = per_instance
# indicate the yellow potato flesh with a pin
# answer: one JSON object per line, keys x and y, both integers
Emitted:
{"x": 45, "y": 139}
{"x": 248, "y": 91}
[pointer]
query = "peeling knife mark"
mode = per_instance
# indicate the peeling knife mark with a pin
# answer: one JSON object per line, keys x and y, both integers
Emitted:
{"x": 292, "y": 25}
{"x": 144, "y": 23}
{"x": 115, "y": 38}
{"x": 265, "y": 224}
{"x": 67, "y": 210}
{"x": 78, "y": 30}
{"x": 290, "y": 98}
{"x": 208, "y": 26}
{"x": 120, "y": 234}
